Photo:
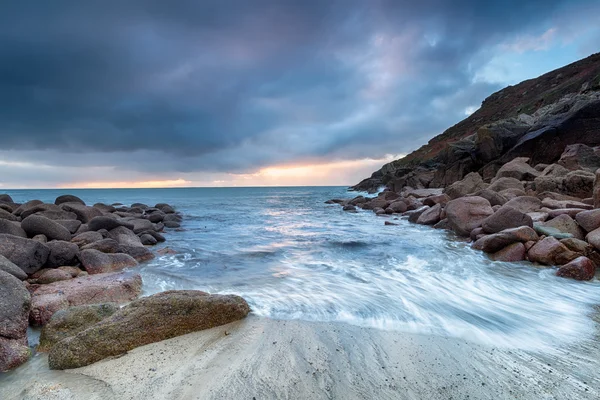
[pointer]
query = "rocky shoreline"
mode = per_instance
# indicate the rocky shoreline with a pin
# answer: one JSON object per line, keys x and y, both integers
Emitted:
{"x": 66, "y": 267}
{"x": 546, "y": 214}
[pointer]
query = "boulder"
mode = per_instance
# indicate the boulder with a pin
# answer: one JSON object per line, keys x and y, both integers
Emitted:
{"x": 53, "y": 275}
{"x": 467, "y": 213}
{"x": 589, "y": 220}
{"x": 549, "y": 231}
{"x": 147, "y": 320}
{"x": 97, "y": 262}
{"x": 27, "y": 254}
{"x": 519, "y": 169}
{"x": 498, "y": 241}
{"x": 119, "y": 287}
{"x": 511, "y": 253}
{"x": 125, "y": 236}
{"x": 561, "y": 204}
{"x": 571, "y": 212}
{"x": 555, "y": 170}
{"x": 7, "y": 215}
{"x": 8, "y": 266}
{"x": 83, "y": 212}
{"x": 69, "y": 322}
{"x": 580, "y": 156}
{"x": 413, "y": 215}
{"x": 502, "y": 184}
{"x": 443, "y": 224}
{"x": 173, "y": 224}
{"x": 505, "y": 218}
{"x": 104, "y": 245}
{"x": 56, "y": 215}
{"x": 566, "y": 224}
{"x": 36, "y": 225}
{"x": 495, "y": 199}
{"x": 13, "y": 352}
{"x": 141, "y": 225}
{"x": 104, "y": 208}
{"x": 5, "y": 198}
{"x": 347, "y": 207}
{"x": 40, "y": 238}
{"x": 525, "y": 204}
{"x": 579, "y": 184}
{"x": 596, "y": 194}
{"x": 62, "y": 254}
{"x": 471, "y": 183}
{"x": 68, "y": 198}
{"x": 108, "y": 223}
{"x": 86, "y": 238}
{"x": 40, "y": 208}
{"x": 577, "y": 245}
{"x": 158, "y": 216}
{"x": 25, "y": 206}
{"x": 164, "y": 207}
{"x": 581, "y": 269}
{"x": 593, "y": 238}
{"x": 73, "y": 271}
{"x": 431, "y": 201}
{"x": 549, "y": 184}
{"x": 149, "y": 240}
{"x": 538, "y": 216}
{"x": 431, "y": 216}
{"x": 15, "y": 303}
{"x": 550, "y": 251}
{"x": 72, "y": 225}
{"x": 159, "y": 238}
{"x": 11, "y": 228}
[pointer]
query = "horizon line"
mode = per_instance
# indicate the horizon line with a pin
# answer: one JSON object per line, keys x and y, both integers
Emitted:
{"x": 176, "y": 187}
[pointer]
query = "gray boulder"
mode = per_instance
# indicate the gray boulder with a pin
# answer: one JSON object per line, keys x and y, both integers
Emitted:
{"x": 8, "y": 266}
{"x": 68, "y": 198}
{"x": 108, "y": 223}
{"x": 15, "y": 303}
{"x": 5, "y": 198}
{"x": 519, "y": 169}
{"x": 502, "y": 184}
{"x": 525, "y": 204}
{"x": 467, "y": 213}
{"x": 125, "y": 236}
{"x": 7, "y": 215}
{"x": 86, "y": 238}
{"x": 105, "y": 245}
{"x": 149, "y": 240}
{"x": 471, "y": 183}
{"x": 596, "y": 194}
{"x": 579, "y": 184}
{"x": 505, "y": 218}
{"x": 83, "y": 212}
{"x": 27, "y": 254}
{"x": 12, "y": 228}
{"x": 62, "y": 253}
{"x": 97, "y": 262}
{"x": 36, "y": 225}
{"x": 72, "y": 225}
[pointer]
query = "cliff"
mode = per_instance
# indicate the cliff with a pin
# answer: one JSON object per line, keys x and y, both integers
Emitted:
{"x": 537, "y": 118}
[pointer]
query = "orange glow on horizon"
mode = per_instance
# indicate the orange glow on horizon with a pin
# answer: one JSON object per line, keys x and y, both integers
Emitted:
{"x": 125, "y": 185}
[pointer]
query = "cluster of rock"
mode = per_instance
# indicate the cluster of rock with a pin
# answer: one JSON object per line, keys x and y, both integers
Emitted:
{"x": 547, "y": 214}
{"x": 56, "y": 256}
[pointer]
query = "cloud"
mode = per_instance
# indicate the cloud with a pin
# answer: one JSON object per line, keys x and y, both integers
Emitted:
{"x": 156, "y": 90}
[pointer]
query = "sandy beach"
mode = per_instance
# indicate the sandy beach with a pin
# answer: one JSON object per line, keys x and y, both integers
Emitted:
{"x": 259, "y": 358}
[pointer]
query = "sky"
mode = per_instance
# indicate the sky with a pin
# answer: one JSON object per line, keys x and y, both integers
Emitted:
{"x": 257, "y": 93}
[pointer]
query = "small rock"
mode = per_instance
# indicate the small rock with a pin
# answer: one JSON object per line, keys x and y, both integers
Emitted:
{"x": 581, "y": 269}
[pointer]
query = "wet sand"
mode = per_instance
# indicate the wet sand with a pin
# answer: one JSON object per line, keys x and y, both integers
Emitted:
{"x": 259, "y": 358}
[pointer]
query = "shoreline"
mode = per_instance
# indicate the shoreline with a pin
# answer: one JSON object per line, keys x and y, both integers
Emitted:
{"x": 263, "y": 358}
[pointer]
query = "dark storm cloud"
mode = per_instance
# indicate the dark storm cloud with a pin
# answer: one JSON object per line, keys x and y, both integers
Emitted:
{"x": 234, "y": 85}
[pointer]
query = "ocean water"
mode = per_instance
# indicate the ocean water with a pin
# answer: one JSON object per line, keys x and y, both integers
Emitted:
{"x": 294, "y": 257}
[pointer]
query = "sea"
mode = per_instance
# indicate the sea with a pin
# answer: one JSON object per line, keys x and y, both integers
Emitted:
{"x": 291, "y": 256}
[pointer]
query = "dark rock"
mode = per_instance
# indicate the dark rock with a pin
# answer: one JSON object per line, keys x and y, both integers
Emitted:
{"x": 495, "y": 199}
{"x": 430, "y": 216}
{"x": 105, "y": 245}
{"x": 511, "y": 253}
{"x": 159, "y": 238}
{"x": 349, "y": 207}
{"x": 579, "y": 184}
{"x": 69, "y": 322}
{"x": 40, "y": 238}
{"x": 8, "y": 266}
{"x": 413, "y": 216}
{"x": 12, "y": 228}
{"x": 398, "y": 207}
{"x": 97, "y": 262}
{"x": 596, "y": 194}
{"x": 7, "y": 215}
{"x": 581, "y": 269}
{"x": 84, "y": 213}
{"x": 108, "y": 223}
{"x": 119, "y": 287}
{"x": 505, "y": 218}
{"x": 549, "y": 184}
{"x": 167, "y": 209}
{"x": 159, "y": 216}
{"x": 27, "y": 254}
{"x": 62, "y": 253}
{"x": 148, "y": 240}
{"x": 173, "y": 224}
{"x": 443, "y": 224}
{"x": 5, "y": 198}
{"x": 389, "y": 223}
{"x": 467, "y": 213}
{"x": 87, "y": 237}
{"x": 68, "y": 198}
{"x": 104, "y": 208}
{"x": 15, "y": 303}
{"x": 431, "y": 201}
{"x": 125, "y": 236}
{"x": 139, "y": 253}
{"x": 147, "y": 320}
{"x": 72, "y": 225}
{"x": 36, "y": 225}
{"x": 25, "y": 206}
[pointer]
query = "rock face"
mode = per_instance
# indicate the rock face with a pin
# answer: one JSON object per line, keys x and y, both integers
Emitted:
{"x": 97, "y": 262}
{"x": 147, "y": 320}
{"x": 36, "y": 225}
{"x": 15, "y": 303}
{"x": 467, "y": 213}
{"x": 69, "y": 322}
{"x": 117, "y": 287}
{"x": 581, "y": 269}
{"x": 27, "y": 254}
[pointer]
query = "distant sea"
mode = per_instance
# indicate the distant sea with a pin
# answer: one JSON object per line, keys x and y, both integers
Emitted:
{"x": 294, "y": 257}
